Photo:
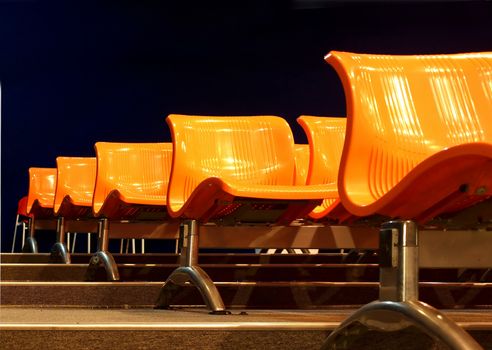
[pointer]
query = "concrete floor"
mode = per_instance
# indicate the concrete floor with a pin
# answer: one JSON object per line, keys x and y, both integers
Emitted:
{"x": 82, "y": 328}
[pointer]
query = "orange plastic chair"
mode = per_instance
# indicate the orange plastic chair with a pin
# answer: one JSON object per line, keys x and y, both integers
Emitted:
{"x": 76, "y": 178}
{"x": 219, "y": 161}
{"x": 131, "y": 184}
{"x": 131, "y": 180}
{"x": 231, "y": 170}
{"x": 419, "y": 133}
{"x": 301, "y": 155}
{"x": 40, "y": 199}
{"x": 42, "y": 182}
{"x": 22, "y": 219}
{"x": 326, "y": 136}
{"x": 418, "y": 145}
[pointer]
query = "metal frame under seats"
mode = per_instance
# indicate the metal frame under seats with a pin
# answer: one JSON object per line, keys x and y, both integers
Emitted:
{"x": 233, "y": 172}
{"x": 129, "y": 197}
{"x": 418, "y": 148}
{"x": 398, "y": 306}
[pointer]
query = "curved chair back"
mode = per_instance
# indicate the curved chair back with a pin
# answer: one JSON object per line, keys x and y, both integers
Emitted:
{"x": 22, "y": 207}
{"x": 42, "y": 182}
{"x": 326, "y": 136}
{"x": 419, "y": 132}
{"x": 76, "y": 177}
{"x": 131, "y": 176}
{"x": 237, "y": 170}
{"x": 250, "y": 150}
{"x": 301, "y": 154}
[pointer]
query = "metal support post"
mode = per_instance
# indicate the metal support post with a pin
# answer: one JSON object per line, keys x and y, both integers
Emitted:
{"x": 190, "y": 272}
{"x": 103, "y": 257}
{"x": 399, "y": 307}
{"x": 30, "y": 245}
{"x": 59, "y": 252}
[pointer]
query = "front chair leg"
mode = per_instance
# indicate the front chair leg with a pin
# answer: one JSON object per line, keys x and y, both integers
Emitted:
{"x": 59, "y": 252}
{"x": 389, "y": 316}
{"x": 190, "y": 272}
{"x": 30, "y": 244}
{"x": 103, "y": 257}
{"x": 398, "y": 306}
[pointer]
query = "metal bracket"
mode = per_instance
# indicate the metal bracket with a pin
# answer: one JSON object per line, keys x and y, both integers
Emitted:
{"x": 190, "y": 273}
{"x": 399, "y": 307}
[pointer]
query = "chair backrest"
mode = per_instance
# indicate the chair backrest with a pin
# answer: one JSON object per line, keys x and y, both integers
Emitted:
{"x": 76, "y": 177}
{"x": 22, "y": 207}
{"x": 255, "y": 150}
{"x": 301, "y": 154}
{"x": 402, "y": 110}
{"x": 42, "y": 182}
{"x": 326, "y": 137}
{"x": 137, "y": 172}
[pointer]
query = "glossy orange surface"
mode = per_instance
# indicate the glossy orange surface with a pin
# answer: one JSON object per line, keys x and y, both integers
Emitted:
{"x": 220, "y": 159}
{"x": 42, "y": 182}
{"x": 419, "y": 133}
{"x": 301, "y": 155}
{"x": 326, "y": 136}
{"x": 76, "y": 177}
{"x": 130, "y": 176}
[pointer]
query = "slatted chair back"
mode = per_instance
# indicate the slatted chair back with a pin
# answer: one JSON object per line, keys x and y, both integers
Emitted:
{"x": 76, "y": 177}
{"x": 419, "y": 133}
{"x": 326, "y": 136}
{"x": 131, "y": 180}
{"x": 222, "y": 164}
{"x": 301, "y": 154}
{"x": 42, "y": 182}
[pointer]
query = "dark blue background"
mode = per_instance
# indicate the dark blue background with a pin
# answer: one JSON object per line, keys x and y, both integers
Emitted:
{"x": 74, "y": 73}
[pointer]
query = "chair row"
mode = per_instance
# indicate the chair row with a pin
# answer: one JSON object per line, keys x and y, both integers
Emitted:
{"x": 131, "y": 180}
{"x": 417, "y": 150}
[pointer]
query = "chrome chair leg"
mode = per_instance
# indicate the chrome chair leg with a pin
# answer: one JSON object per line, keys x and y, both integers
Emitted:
{"x": 15, "y": 232}
{"x": 30, "y": 245}
{"x": 190, "y": 272}
{"x": 103, "y": 257}
{"x": 25, "y": 228}
{"x": 89, "y": 235}
{"x": 59, "y": 252}
{"x": 74, "y": 241}
{"x": 398, "y": 306}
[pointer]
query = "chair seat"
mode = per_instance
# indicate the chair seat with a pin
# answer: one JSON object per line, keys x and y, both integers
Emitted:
{"x": 40, "y": 211}
{"x": 118, "y": 206}
{"x": 41, "y": 192}
{"x": 447, "y": 181}
{"x": 239, "y": 168}
{"x": 132, "y": 180}
{"x": 74, "y": 187}
{"x": 70, "y": 208}
{"x": 212, "y": 195}
{"x": 419, "y": 133}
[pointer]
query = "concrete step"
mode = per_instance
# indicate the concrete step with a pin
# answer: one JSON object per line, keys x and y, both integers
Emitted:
{"x": 294, "y": 295}
{"x": 74, "y": 328}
